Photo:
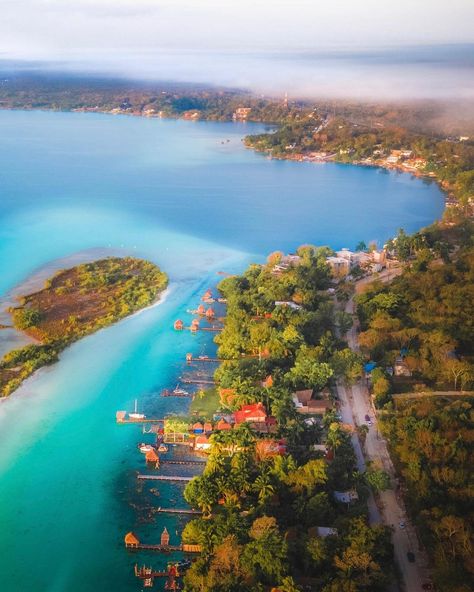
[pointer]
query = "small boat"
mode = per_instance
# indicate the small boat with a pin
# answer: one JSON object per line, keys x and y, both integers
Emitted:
{"x": 135, "y": 414}
{"x": 162, "y": 448}
{"x": 180, "y": 391}
{"x": 144, "y": 448}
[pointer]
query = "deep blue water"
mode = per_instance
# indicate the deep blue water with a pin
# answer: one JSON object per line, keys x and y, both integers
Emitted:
{"x": 174, "y": 193}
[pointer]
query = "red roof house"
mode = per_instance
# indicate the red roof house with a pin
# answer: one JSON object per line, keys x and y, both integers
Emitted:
{"x": 254, "y": 413}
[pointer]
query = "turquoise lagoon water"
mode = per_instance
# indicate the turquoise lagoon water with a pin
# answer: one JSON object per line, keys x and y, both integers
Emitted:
{"x": 183, "y": 196}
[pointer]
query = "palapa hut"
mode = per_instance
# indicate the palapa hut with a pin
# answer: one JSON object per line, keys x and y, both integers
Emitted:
{"x": 210, "y": 314}
{"x": 165, "y": 538}
{"x": 207, "y": 427}
{"x": 201, "y": 309}
{"x": 131, "y": 540}
{"x": 223, "y": 425}
{"x": 198, "y": 428}
{"x": 178, "y": 325}
{"x": 120, "y": 416}
{"x": 152, "y": 458}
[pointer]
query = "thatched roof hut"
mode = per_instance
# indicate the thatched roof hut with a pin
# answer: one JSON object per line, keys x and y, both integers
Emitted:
{"x": 131, "y": 540}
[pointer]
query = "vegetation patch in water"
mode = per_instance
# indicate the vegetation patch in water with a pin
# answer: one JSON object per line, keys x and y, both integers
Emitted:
{"x": 76, "y": 302}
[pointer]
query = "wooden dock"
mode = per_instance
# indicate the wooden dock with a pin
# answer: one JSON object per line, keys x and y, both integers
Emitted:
{"x": 140, "y": 421}
{"x": 178, "y": 511}
{"x": 167, "y": 393}
{"x": 160, "y": 548}
{"x": 196, "y": 381}
{"x": 164, "y": 478}
{"x": 204, "y": 360}
{"x": 166, "y": 548}
{"x": 189, "y": 463}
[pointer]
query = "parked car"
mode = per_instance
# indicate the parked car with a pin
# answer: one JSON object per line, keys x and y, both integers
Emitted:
{"x": 367, "y": 418}
{"x": 402, "y": 525}
{"x": 411, "y": 557}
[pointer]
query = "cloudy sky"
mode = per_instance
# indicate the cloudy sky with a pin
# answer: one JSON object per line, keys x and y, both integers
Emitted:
{"x": 247, "y": 42}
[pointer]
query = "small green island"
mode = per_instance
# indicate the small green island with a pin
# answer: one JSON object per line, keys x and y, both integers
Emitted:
{"x": 74, "y": 303}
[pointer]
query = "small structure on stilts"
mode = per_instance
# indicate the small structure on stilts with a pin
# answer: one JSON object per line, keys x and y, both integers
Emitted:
{"x": 152, "y": 458}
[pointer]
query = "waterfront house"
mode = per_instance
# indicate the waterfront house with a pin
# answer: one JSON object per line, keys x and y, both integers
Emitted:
{"x": 339, "y": 266}
{"x": 254, "y": 413}
{"x": 241, "y": 113}
{"x": 285, "y": 262}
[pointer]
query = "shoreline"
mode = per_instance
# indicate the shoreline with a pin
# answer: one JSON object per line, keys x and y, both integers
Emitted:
{"x": 450, "y": 199}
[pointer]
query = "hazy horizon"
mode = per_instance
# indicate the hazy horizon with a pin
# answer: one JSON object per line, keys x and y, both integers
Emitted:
{"x": 361, "y": 50}
{"x": 419, "y": 72}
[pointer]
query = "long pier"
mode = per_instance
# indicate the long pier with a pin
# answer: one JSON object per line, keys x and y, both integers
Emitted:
{"x": 204, "y": 360}
{"x": 177, "y": 511}
{"x": 161, "y": 548}
{"x": 140, "y": 421}
{"x": 184, "y": 462}
{"x": 166, "y": 548}
{"x": 167, "y": 393}
{"x": 164, "y": 478}
{"x": 196, "y": 381}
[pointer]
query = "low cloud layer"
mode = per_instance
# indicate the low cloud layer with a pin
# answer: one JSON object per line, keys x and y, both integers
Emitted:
{"x": 303, "y": 46}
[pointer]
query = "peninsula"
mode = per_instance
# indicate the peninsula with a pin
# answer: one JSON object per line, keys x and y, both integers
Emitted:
{"x": 74, "y": 303}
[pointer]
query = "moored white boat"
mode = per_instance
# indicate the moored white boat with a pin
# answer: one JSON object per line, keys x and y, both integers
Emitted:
{"x": 144, "y": 448}
{"x": 180, "y": 391}
{"x": 135, "y": 414}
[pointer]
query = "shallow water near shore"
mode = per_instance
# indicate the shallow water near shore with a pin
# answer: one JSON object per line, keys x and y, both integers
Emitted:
{"x": 180, "y": 195}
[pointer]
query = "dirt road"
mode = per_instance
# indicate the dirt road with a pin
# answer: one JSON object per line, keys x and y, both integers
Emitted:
{"x": 355, "y": 405}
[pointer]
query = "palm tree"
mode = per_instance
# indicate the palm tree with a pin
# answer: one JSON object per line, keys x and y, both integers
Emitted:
{"x": 263, "y": 486}
{"x": 245, "y": 435}
{"x": 335, "y": 436}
